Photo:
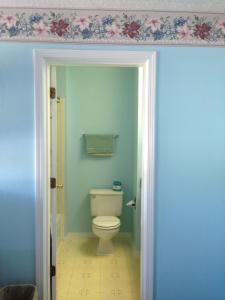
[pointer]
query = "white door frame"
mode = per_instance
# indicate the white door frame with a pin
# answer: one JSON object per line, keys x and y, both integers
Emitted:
{"x": 146, "y": 61}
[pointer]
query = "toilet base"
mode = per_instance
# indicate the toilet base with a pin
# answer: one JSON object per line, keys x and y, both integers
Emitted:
{"x": 105, "y": 247}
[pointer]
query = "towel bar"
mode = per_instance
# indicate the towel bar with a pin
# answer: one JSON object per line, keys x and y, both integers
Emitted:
{"x": 115, "y": 135}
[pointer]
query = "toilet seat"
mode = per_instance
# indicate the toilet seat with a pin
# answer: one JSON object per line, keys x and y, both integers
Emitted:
{"x": 106, "y": 222}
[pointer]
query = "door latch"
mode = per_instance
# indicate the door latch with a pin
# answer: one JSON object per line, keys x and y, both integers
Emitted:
{"x": 59, "y": 186}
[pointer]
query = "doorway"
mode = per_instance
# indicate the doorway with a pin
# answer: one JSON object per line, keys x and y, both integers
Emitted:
{"x": 145, "y": 62}
{"x": 101, "y": 103}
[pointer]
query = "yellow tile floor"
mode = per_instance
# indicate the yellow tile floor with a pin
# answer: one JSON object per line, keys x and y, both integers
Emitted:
{"x": 81, "y": 274}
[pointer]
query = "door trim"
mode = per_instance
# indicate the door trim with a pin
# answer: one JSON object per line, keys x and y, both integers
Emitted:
{"x": 145, "y": 61}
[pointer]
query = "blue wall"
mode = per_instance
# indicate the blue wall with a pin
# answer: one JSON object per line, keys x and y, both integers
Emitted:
{"x": 190, "y": 169}
{"x": 16, "y": 165}
{"x": 190, "y": 183}
{"x": 98, "y": 100}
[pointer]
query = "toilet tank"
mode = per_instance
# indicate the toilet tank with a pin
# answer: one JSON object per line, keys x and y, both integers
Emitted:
{"x": 106, "y": 202}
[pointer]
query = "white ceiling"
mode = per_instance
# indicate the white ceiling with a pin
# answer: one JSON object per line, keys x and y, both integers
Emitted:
{"x": 164, "y": 5}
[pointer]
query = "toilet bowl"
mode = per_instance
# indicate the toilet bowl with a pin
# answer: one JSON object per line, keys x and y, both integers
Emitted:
{"x": 106, "y": 207}
{"x": 105, "y": 227}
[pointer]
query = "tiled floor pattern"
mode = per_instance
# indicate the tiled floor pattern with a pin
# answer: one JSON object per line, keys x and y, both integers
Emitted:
{"x": 81, "y": 274}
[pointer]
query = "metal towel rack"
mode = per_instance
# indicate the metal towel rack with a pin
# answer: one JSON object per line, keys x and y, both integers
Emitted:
{"x": 115, "y": 135}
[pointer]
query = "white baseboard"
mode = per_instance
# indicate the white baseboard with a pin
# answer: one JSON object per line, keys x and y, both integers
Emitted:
{"x": 127, "y": 235}
{"x": 91, "y": 234}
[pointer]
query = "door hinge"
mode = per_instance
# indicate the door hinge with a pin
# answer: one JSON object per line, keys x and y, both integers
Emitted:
{"x": 140, "y": 183}
{"x": 52, "y": 92}
{"x": 53, "y": 271}
{"x": 53, "y": 183}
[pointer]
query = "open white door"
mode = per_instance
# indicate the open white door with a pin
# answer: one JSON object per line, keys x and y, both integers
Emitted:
{"x": 53, "y": 211}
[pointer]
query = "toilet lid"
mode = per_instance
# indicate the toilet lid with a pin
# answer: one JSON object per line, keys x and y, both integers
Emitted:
{"x": 108, "y": 222}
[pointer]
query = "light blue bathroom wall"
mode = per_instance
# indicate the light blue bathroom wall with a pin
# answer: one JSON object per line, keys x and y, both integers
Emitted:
{"x": 16, "y": 165}
{"x": 190, "y": 174}
{"x": 190, "y": 169}
{"x": 99, "y": 100}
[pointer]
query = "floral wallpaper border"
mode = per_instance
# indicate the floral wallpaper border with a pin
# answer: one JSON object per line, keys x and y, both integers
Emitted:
{"x": 120, "y": 27}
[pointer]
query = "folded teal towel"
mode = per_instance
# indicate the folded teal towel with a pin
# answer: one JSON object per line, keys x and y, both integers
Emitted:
{"x": 100, "y": 144}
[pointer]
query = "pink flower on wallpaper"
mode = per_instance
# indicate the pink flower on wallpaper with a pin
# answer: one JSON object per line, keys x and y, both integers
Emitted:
{"x": 40, "y": 29}
{"x": 9, "y": 21}
{"x": 153, "y": 24}
{"x": 113, "y": 30}
{"x": 221, "y": 26}
{"x": 131, "y": 29}
{"x": 202, "y": 30}
{"x": 183, "y": 32}
{"x": 82, "y": 22}
{"x": 59, "y": 27}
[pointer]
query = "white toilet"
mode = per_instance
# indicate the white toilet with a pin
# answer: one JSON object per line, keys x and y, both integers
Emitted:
{"x": 106, "y": 207}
